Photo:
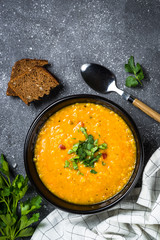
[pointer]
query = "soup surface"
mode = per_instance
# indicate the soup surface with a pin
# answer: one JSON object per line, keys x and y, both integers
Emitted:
{"x": 85, "y": 184}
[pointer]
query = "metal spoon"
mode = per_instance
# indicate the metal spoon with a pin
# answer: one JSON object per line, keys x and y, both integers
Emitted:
{"x": 103, "y": 80}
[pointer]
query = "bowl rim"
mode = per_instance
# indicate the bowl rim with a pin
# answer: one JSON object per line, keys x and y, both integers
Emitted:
{"x": 79, "y": 96}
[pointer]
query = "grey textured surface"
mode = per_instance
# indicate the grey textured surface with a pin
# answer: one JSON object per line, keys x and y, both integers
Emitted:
{"x": 69, "y": 33}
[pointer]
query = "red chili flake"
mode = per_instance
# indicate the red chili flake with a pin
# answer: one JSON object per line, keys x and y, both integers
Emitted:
{"x": 61, "y": 146}
{"x": 104, "y": 155}
{"x": 82, "y": 124}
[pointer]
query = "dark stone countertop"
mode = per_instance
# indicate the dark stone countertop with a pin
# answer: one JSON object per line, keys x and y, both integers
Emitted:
{"x": 68, "y": 34}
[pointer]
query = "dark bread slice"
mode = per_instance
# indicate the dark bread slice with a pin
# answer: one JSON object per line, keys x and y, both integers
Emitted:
{"x": 22, "y": 66}
{"x": 33, "y": 84}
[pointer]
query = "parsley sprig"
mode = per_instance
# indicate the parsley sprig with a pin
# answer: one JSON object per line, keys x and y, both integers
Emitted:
{"x": 87, "y": 152}
{"x": 14, "y": 222}
{"x": 133, "y": 81}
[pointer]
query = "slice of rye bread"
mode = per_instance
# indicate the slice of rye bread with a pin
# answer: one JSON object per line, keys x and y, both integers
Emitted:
{"x": 22, "y": 66}
{"x": 33, "y": 84}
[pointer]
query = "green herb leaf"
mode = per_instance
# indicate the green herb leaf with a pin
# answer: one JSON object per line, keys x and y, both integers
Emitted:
{"x": 90, "y": 139}
{"x": 67, "y": 164}
{"x": 83, "y": 130}
{"x": 138, "y": 68}
{"x": 94, "y": 149}
{"x": 103, "y": 146}
{"x": 89, "y": 153}
{"x": 90, "y": 146}
{"x": 27, "y": 232}
{"x": 5, "y": 192}
{"x": 8, "y": 219}
{"x": 81, "y": 153}
{"x": 75, "y": 165}
{"x": 103, "y": 163}
{"x": 74, "y": 149}
{"x": 30, "y": 205}
{"x": 131, "y": 63}
{"x": 4, "y": 166}
{"x": 131, "y": 82}
{"x": 128, "y": 68}
{"x": 73, "y": 159}
{"x": 93, "y": 171}
{"x": 140, "y": 76}
{"x": 20, "y": 186}
{"x": 3, "y": 237}
{"x": 2, "y": 183}
{"x": 79, "y": 173}
{"x": 96, "y": 142}
{"x": 25, "y": 222}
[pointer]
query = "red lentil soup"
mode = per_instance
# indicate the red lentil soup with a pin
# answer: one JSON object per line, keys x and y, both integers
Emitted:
{"x": 87, "y": 185}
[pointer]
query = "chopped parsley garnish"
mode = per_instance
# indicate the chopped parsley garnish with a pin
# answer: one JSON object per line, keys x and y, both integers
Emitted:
{"x": 93, "y": 171}
{"x": 67, "y": 164}
{"x": 87, "y": 152}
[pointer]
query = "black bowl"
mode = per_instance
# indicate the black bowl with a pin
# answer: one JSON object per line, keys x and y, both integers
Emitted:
{"x": 31, "y": 168}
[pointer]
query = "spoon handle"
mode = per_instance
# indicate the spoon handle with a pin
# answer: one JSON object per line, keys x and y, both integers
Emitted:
{"x": 149, "y": 111}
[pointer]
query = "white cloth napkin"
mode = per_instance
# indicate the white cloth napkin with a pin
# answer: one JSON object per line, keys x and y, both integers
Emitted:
{"x": 135, "y": 217}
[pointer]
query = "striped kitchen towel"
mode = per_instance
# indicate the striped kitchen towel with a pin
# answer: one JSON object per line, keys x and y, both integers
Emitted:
{"x": 135, "y": 217}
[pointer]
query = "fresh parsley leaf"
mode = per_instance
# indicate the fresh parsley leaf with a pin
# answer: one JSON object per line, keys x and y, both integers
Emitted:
{"x": 67, "y": 164}
{"x": 27, "y": 232}
{"x": 95, "y": 159}
{"x": 79, "y": 173}
{"x": 90, "y": 139}
{"x": 80, "y": 152}
{"x": 8, "y": 219}
{"x": 74, "y": 159}
{"x": 74, "y": 149}
{"x": 138, "y": 68}
{"x": 20, "y": 186}
{"x": 140, "y": 76}
{"x": 131, "y": 63}
{"x": 128, "y": 68}
{"x": 103, "y": 146}
{"x": 94, "y": 149}
{"x": 30, "y": 205}
{"x": 90, "y": 146}
{"x": 83, "y": 130}
{"x": 75, "y": 165}
{"x": 133, "y": 81}
{"x": 93, "y": 171}
{"x": 103, "y": 163}
{"x": 5, "y": 192}
{"x": 4, "y": 166}
{"x": 25, "y": 222}
{"x": 2, "y": 183}
{"x": 3, "y": 238}
{"x": 89, "y": 153}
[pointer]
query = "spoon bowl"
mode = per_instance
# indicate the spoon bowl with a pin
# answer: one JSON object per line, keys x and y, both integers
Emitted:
{"x": 98, "y": 77}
